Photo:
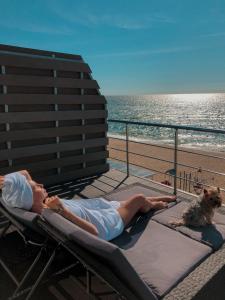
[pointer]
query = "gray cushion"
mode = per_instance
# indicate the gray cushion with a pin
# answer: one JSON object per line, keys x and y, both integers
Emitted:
{"x": 212, "y": 235}
{"x": 162, "y": 257}
{"x": 103, "y": 254}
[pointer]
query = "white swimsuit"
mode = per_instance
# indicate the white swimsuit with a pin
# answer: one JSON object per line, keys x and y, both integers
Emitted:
{"x": 101, "y": 213}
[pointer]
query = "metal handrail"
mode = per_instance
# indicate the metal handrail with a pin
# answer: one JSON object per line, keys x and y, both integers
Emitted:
{"x": 176, "y": 133}
{"x": 170, "y": 161}
{"x": 169, "y": 148}
{"x": 178, "y": 177}
{"x": 183, "y": 127}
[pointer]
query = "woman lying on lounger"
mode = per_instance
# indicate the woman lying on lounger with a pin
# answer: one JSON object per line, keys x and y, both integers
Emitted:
{"x": 98, "y": 216}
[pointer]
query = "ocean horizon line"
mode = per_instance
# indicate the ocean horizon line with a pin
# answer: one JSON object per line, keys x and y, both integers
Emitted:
{"x": 169, "y": 93}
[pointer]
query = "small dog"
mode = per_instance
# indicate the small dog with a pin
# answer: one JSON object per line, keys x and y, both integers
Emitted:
{"x": 201, "y": 211}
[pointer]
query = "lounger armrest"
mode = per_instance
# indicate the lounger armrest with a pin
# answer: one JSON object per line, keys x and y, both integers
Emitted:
{"x": 58, "y": 222}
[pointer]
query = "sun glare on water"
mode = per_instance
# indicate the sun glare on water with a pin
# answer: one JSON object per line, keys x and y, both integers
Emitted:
{"x": 192, "y": 97}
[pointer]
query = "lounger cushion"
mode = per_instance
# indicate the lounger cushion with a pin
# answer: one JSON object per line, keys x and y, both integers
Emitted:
{"x": 212, "y": 235}
{"x": 163, "y": 257}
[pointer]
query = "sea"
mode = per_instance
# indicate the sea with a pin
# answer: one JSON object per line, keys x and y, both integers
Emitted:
{"x": 198, "y": 110}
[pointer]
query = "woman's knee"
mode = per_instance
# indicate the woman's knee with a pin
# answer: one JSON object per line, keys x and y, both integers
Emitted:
{"x": 138, "y": 199}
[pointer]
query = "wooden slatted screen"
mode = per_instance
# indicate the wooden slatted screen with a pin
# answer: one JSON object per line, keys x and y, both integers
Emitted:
{"x": 52, "y": 116}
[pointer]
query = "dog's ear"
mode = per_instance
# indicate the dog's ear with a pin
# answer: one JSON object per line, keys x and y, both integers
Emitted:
{"x": 218, "y": 190}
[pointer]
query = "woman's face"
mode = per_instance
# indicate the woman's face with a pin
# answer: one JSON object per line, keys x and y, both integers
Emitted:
{"x": 39, "y": 195}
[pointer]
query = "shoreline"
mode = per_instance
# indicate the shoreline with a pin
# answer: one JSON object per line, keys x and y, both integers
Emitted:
{"x": 159, "y": 160}
{"x": 155, "y": 143}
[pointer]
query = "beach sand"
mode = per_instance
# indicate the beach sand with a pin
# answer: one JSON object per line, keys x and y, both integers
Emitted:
{"x": 186, "y": 157}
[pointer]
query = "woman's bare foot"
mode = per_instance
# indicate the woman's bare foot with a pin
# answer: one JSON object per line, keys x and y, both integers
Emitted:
{"x": 159, "y": 205}
{"x": 151, "y": 205}
{"x": 162, "y": 198}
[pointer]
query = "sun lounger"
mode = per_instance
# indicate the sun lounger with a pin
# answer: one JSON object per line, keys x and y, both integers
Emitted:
{"x": 150, "y": 260}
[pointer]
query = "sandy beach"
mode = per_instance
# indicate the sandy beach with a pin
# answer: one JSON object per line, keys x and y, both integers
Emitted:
{"x": 186, "y": 157}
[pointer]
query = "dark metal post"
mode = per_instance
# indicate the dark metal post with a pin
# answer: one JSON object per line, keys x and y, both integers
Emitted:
{"x": 175, "y": 161}
{"x": 184, "y": 180}
{"x": 189, "y": 186}
{"x": 88, "y": 283}
{"x": 180, "y": 179}
{"x": 127, "y": 150}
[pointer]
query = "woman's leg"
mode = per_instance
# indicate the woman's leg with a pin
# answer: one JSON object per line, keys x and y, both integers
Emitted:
{"x": 163, "y": 198}
{"x": 137, "y": 203}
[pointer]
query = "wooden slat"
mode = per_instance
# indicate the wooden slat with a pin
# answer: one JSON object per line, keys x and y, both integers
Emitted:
{"x": 50, "y": 148}
{"x": 91, "y": 191}
{"x": 105, "y": 188}
{"x": 74, "y": 175}
{"x": 41, "y": 81}
{"x": 56, "y": 163}
{"x": 30, "y": 72}
{"x": 23, "y": 50}
{"x": 42, "y": 63}
{"x": 50, "y": 132}
{"x": 50, "y": 116}
{"x": 51, "y": 99}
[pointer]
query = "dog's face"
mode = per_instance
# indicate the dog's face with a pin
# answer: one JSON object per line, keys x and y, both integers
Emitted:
{"x": 213, "y": 197}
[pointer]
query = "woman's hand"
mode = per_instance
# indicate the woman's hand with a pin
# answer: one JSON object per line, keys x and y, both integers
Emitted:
{"x": 54, "y": 203}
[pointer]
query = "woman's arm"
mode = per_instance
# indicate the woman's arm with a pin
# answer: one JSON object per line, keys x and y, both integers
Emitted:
{"x": 89, "y": 227}
{"x": 26, "y": 174}
{"x": 55, "y": 204}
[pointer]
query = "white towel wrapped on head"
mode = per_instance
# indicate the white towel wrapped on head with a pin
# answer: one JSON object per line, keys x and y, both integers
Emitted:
{"x": 16, "y": 191}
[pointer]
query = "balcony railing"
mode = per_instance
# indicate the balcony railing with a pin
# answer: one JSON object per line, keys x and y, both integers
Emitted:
{"x": 186, "y": 178}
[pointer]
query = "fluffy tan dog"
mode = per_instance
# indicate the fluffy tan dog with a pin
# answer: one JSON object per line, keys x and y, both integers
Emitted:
{"x": 201, "y": 211}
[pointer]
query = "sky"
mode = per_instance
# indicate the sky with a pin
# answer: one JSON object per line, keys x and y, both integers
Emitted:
{"x": 132, "y": 46}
